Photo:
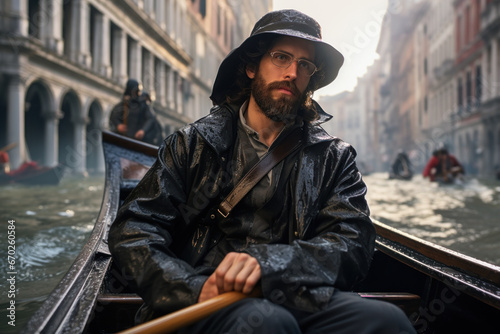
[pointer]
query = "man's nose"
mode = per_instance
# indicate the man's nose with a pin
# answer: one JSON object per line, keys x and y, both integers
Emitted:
{"x": 291, "y": 71}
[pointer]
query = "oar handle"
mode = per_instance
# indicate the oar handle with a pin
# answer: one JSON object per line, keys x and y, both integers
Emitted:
{"x": 8, "y": 147}
{"x": 189, "y": 315}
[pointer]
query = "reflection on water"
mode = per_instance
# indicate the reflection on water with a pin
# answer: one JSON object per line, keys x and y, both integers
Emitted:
{"x": 53, "y": 223}
{"x": 462, "y": 217}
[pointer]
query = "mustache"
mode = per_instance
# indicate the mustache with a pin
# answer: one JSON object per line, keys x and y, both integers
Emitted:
{"x": 285, "y": 84}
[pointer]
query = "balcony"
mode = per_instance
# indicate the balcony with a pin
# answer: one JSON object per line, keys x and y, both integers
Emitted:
{"x": 445, "y": 67}
{"x": 490, "y": 19}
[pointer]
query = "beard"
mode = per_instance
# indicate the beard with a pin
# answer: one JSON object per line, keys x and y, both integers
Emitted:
{"x": 285, "y": 108}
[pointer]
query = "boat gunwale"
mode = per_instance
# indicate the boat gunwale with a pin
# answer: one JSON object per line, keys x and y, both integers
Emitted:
{"x": 432, "y": 256}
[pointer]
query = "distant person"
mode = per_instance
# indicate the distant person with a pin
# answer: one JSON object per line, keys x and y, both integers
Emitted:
{"x": 443, "y": 167}
{"x": 155, "y": 135}
{"x": 131, "y": 117}
{"x": 401, "y": 167}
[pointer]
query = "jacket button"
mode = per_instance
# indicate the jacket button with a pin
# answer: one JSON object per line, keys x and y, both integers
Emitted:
{"x": 296, "y": 233}
{"x": 212, "y": 216}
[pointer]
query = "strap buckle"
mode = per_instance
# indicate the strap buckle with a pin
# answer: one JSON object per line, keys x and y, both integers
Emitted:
{"x": 222, "y": 213}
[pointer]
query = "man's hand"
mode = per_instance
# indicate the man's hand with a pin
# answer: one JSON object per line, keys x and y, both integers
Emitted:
{"x": 139, "y": 134}
{"x": 122, "y": 128}
{"x": 237, "y": 272}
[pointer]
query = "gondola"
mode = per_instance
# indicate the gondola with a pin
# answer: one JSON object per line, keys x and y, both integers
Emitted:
{"x": 440, "y": 290}
{"x": 29, "y": 173}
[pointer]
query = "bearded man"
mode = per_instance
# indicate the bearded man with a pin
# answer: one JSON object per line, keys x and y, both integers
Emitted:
{"x": 302, "y": 232}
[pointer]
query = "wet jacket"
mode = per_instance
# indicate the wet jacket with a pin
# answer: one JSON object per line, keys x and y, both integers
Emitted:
{"x": 162, "y": 230}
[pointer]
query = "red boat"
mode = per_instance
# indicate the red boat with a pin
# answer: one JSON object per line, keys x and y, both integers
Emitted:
{"x": 30, "y": 173}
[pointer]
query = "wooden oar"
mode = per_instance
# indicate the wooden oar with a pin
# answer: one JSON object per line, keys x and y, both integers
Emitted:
{"x": 189, "y": 315}
{"x": 8, "y": 147}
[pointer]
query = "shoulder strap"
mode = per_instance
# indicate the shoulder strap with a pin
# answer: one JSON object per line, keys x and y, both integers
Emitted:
{"x": 261, "y": 168}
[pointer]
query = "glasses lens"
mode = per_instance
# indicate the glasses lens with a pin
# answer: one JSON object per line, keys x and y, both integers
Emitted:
{"x": 306, "y": 67}
{"x": 281, "y": 59}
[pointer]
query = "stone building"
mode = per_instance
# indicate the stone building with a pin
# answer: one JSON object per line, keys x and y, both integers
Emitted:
{"x": 438, "y": 84}
{"x": 442, "y": 86}
{"x": 489, "y": 87}
{"x": 64, "y": 64}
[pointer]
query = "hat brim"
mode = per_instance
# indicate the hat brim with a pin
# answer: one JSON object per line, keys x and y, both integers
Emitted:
{"x": 328, "y": 58}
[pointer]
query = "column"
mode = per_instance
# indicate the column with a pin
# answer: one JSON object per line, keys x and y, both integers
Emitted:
{"x": 160, "y": 14}
{"x": 178, "y": 93}
{"x": 177, "y": 26}
{"x": 494, "y": 68}
{"x": 105, "y": 54}
{"x": 169, "y": 93}
{"x": 120, "y": 56}
{"x": 51, "y": 16}
{"x": 52, "y": 118}
{"x": 15, "y": 120}
{"x": 18, "y": 17}
{"x": 80, "y": 38}
{"x": 160, "y": 83}
{"x": 148, "y": 8}
{"x": 135, "y": 60}
{"x": 80, "y": 150}
{"x": 172, "y": 89}
{"x": 148, "y": 72}
{"x": 169, "y": 16}
{"x": 101, "y": 164}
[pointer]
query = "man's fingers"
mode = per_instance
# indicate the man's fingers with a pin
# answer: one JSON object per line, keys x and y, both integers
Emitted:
{"x": 234, "y": 272}
{"x": 252, "y": 280}
{"x": 222, "y": 269}
{"x": 245, "y": 274}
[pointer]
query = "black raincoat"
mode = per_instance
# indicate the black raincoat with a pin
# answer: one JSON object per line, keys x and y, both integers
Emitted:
{"x": 162, "y": 230}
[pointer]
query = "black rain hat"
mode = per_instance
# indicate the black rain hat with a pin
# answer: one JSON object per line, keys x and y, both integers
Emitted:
{"x": 287, "y": 22}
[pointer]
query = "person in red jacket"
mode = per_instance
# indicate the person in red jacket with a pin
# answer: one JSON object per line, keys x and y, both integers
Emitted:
{"x": 443, "y": 167}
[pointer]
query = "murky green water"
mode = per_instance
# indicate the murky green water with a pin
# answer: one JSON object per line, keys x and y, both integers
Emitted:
{"x": 464, "y": 217}
{"x": 53, "y": 223}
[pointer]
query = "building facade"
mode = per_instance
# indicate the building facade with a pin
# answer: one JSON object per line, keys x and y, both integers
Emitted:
{"x": 438, "y": 78}
{"x": 64, "y": 64}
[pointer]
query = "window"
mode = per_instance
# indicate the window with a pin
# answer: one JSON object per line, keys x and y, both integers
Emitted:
{"x": 468, "y": 91}
{"x": 203, "y": 8}
{"x": 479, "y": 88}
{"x": 459, "y": 95}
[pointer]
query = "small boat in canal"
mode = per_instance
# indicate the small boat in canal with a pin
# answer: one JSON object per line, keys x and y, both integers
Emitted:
{"x": 30, "y": 173}
{"x": 441, "y": 291}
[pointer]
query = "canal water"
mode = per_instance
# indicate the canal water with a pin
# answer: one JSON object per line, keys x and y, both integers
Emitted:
{"x": 52, "y": 224}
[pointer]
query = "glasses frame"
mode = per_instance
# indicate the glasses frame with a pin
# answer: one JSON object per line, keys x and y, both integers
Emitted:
{"x": 294, "y": 59}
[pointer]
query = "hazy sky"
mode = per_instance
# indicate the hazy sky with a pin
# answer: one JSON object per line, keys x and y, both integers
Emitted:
{"x": 352, "y": 27}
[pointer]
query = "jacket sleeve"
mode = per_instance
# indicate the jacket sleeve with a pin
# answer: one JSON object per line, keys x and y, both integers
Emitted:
{"x": 116, "y": 117}
{"x": 149, "y": 117}
{"x": 335, "y": 243}
{"x": 143, "y": 232}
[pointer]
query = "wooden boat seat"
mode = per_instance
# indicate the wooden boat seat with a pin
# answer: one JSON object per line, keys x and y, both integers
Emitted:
{"x": 408, "y": 302}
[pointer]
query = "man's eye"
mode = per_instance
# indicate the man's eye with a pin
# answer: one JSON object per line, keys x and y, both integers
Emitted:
{"x": 304, "y": 64}
{"x": 282, "y": 57}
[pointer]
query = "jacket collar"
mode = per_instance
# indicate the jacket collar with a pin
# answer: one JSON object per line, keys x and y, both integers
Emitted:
{"x": 219, "y": 127}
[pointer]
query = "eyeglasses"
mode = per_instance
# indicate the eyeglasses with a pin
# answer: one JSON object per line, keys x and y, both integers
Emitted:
{"x": 284, "y": 60}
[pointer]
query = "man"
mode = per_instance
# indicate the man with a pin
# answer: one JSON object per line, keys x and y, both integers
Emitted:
{"x": 443, "y": 167}
{"x": 303, "y": 233}
{"x": 131, "y": 117}
{"x": 401, "y": 167}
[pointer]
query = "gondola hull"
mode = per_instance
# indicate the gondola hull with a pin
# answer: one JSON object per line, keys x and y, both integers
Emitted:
{"x": 440, "y": 290}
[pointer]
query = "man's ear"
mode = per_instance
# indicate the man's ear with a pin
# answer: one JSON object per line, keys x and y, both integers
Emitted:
{"x": 250, "y": 69}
